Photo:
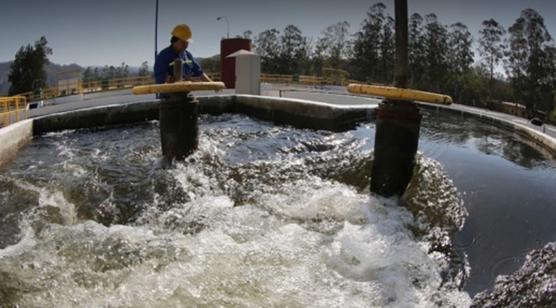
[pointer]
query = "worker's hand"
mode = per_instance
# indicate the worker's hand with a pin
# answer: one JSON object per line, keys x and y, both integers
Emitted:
{"x": 206, "y": 78}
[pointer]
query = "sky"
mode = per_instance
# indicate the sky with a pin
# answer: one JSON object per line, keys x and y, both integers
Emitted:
{"x": 99, "y": 32}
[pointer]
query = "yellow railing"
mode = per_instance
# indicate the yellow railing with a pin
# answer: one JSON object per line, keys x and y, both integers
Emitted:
{"x": 214, "y": 76}
{"x": 303, "y": 79}
{"x": 80, "y": 87}
{"x": 13, "y": 109}
{"x": 115, "y": 84}
{"x": 291, "y": 79}
{"x": 47, "y": 93}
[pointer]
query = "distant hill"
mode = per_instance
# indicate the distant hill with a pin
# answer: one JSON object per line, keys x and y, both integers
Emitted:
{"x": 56, "y": 71}
{"x": 53, "y": 70}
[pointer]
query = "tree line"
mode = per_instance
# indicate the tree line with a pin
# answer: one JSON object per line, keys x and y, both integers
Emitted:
{"x": 108, "y": 72}
{"x": 517, "y": 64}
{"x": 27, "y": 71}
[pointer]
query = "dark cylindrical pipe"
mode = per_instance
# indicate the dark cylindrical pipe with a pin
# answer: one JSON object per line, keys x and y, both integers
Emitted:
{"x": 396, "y": 141}
{"x": 397, "y": 125}
{"x": 179, "y": 132}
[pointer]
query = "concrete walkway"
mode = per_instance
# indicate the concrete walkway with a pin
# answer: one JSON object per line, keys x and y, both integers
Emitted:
{"x": 346, "y": 98}
{"x": 334, "y": 95}
{"x": 76, "y": 102}
{"x": 547, "y": 128}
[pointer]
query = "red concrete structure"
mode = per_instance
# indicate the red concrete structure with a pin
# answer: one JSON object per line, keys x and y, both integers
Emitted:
{"x": 228, "y": 65}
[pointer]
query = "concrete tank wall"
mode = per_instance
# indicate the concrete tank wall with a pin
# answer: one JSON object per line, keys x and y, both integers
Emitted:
{"x": 13, "y": 137}
{"x": 296, "y": 112}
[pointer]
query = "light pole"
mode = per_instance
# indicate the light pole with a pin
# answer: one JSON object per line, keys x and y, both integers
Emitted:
{"x": 156, "y": 30}
{"x": 227, "y": 25}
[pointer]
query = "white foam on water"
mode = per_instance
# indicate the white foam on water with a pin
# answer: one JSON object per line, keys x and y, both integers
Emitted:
{"x": 48, "y": 199}
{"x": 292, "y": 239}
{"x": 279, "y": 251}
{"x": 191, "y": 180}
{"x": 26, "y": 243}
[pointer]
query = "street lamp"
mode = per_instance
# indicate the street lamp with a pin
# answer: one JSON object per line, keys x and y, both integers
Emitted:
{"x": 227, "y": 25}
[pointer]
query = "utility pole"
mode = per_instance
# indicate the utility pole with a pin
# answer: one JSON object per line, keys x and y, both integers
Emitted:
{"x": 402, "y": 61}
{"x": 155, "y": 30}
{"x": 397, "y": 125}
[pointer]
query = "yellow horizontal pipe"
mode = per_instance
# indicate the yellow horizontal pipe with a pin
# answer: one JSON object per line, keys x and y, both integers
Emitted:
{"x": 177, "y": 87}
{"x": 394, "y": 93}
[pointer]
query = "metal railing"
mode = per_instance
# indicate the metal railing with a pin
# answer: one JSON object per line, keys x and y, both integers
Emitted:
{"x": 13, "y": 109}
{"x": 214, "y": 76}
{"x": 80, "y": 87}
{"x": 46, "y": 93}
{"x": 115, "y": 84}
{"x": 296, "y": 79}
{"x": 304, "y": 79}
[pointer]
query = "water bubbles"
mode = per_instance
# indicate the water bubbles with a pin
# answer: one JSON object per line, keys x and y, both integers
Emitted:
{"x": 259, "y": 216}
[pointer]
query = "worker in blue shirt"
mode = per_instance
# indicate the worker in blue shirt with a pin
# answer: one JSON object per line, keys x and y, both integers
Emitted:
{"x": 163, "y": 69}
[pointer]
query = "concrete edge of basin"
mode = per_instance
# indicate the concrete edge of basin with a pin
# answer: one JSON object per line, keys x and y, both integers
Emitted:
{"x": 295, "y": 112}
{"x": 544, "y": 141}
{"x": 303, "y": 113}
{"x": 13, "y": 138}
{"x": 96, "y": 116}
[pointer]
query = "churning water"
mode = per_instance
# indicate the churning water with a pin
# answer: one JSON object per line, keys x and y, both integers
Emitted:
{"x": 260, "y": 216}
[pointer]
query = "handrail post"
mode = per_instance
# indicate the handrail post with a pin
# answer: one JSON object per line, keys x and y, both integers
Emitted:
{"x": 16, "y": 109}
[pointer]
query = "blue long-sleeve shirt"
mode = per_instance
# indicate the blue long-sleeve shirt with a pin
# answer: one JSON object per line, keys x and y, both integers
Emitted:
{"x": 165, "y": 57}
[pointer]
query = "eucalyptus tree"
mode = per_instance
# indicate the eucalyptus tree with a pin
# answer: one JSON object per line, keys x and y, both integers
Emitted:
{"x": 491, "y": 47}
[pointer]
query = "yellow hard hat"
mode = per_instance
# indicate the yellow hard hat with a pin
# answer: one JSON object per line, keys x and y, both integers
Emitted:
{"x": 183, "y": 32}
